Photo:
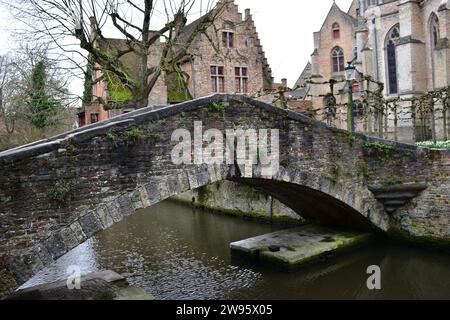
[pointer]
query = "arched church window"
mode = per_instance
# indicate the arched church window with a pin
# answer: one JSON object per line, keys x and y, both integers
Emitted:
{"x": 337, "y": 57}
{"x": 434, "y": 30}
{"x": 391, "y": 57}
{"x": 336, "y": 31}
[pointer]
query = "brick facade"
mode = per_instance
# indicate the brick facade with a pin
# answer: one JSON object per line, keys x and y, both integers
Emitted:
{"x": 244, "y": 52}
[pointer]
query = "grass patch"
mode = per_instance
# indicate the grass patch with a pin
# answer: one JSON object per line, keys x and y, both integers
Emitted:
{"x": 432, "y": 145}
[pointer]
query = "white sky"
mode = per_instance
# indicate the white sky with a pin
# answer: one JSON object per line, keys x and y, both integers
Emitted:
{"x": 285, "y": 28}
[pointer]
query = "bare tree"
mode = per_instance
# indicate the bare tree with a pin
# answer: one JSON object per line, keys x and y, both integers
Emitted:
{"x": 87, "y": 22}
{"x": 16, "y": 89}
{"x": 9, "y": 94}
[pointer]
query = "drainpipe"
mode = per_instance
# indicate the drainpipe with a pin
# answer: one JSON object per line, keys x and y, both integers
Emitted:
{"x": 375, "y": 56}
{"x": 194, "y": 93}
{"x": 271, "y": 209}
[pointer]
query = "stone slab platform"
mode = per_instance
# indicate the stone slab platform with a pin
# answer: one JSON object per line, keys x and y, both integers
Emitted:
{"x": 103, "y": 285}
{"x": 296, "y": 247}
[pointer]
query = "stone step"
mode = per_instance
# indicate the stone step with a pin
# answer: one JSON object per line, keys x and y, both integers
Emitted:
{"x": 295, "y": 247}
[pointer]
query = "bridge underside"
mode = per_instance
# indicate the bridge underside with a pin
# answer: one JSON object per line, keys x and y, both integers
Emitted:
{"x": 312, "y": 205}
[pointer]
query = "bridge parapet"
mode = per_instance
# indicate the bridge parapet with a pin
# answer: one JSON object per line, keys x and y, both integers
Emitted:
{"x": 58, "y": 193}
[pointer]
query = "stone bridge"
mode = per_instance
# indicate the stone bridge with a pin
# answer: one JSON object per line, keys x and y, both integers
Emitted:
{"x": 56, "y": 194}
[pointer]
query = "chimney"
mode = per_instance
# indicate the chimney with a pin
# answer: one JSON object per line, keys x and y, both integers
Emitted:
{"x": 284, "y": 83}
{"x": 247, "y": 14}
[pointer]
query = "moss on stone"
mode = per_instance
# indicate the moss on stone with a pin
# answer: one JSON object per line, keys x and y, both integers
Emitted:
{"x": 285, "y": 220}
{"x": 107, "y": 296}
{"x": 7, "y": 283}
{"x": 62, "y": 191}
{"x": 177, "y": 90}
{"x": 428, "y": 241}
{"x": 341, "y": 247}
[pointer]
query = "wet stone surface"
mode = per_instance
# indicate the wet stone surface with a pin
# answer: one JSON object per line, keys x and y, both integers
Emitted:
{"x": 295, "y": 247}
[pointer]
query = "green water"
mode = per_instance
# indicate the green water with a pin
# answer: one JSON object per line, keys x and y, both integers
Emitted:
{"x": 175, "y": 252}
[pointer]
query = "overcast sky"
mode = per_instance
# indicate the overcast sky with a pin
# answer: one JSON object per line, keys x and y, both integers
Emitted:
{"x": 285, "y": 28}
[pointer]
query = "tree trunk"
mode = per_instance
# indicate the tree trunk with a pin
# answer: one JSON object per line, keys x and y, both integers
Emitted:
{"x": 395, "y": 124}
{"x": 433, "y": 121}
{"x": 444, "y": 115}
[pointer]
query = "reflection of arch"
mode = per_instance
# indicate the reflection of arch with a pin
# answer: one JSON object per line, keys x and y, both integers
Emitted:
{"x": 337, "y": 58}
{"x": 391, "y": 59}
{"x": 336, "y": 30}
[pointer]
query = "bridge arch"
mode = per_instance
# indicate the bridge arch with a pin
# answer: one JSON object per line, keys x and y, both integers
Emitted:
{"x": 106, "y": 171}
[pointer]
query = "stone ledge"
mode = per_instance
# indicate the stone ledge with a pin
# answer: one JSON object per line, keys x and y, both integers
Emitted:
{"x": 396, "y": 196}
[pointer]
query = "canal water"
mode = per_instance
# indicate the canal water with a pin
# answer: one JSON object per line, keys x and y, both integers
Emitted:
{"x": 175, "y": 252}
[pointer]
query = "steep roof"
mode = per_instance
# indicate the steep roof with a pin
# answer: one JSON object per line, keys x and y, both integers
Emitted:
{"x": 306, "y": 74}
{"x": 188, "y": 30}
{"x": 334, "y": 7}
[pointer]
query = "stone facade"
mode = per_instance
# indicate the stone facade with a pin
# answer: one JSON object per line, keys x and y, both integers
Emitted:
{"x": 57, "y": 193}
{"x": 246, "y": 202}
{"x": 419, "y": 58}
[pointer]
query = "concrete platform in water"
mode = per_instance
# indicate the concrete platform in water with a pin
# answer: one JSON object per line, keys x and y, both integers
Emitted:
{"x": 296, "y": 247}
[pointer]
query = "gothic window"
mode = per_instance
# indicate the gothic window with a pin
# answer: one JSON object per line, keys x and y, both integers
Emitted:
{"x": 337, "y": 57}
{"x": 241, "y": 77}
{"x": 217, "y": 79}
{"x": 391, "y": 57}
{"x": 336, "y": 31}
{"x": 435, "y": 34}
{"x": 228, "y": 39}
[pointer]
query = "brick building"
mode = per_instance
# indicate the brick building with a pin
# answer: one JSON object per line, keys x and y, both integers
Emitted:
{"x": 232, "y": 60}
{"x": 402, "y": 43}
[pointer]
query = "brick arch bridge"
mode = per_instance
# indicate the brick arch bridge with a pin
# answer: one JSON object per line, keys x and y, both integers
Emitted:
{"x": 57, "y": 193}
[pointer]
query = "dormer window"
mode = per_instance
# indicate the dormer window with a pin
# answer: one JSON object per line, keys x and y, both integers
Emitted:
{"x": 228, "y": 39}
{"x": 336, "y": 31}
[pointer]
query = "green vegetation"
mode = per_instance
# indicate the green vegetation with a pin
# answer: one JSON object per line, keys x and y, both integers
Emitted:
{"x": 202, "y": 203}
{"x": 41, "y": 106}
{"x": 425, "y": 241}
{"x": 393, "y": 180}
{"x": 177, "y": 90}
{"x": 107, "y": 296}
{"x": 62, "y": 191}
{"x": 218, "y": 107}
{"x": 117, "y": 90}
{"x": 351, "y": 140}
{"x": 432, "y": 145}
{"x": 382, "y": 151}
{"x": 111, "y": 137}
{"x": 134, "y": 134}
{"x": 155, "y": 137}
{"x": 88, "y": 83}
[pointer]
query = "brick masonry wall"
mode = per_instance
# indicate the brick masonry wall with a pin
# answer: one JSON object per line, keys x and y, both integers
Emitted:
{"x": 58, "y": 193}
{"x": 246, "y": 52}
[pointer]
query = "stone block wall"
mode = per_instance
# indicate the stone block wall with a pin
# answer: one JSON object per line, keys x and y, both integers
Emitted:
{"x": 57, "y": 193}
{"x": 241, "y": 201}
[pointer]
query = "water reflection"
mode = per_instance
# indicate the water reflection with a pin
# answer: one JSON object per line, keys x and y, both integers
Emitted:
{"x": 174, "y": 252}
